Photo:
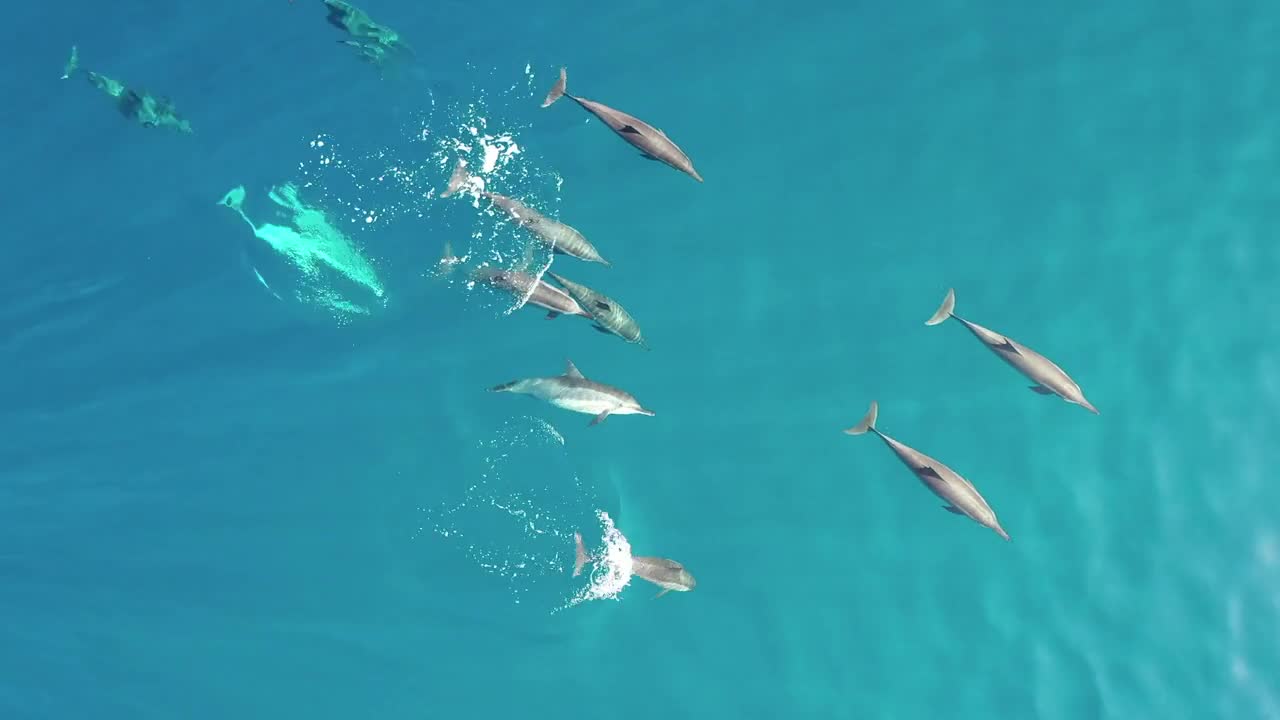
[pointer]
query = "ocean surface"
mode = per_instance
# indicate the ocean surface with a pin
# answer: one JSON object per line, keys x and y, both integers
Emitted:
{"x": 249, "y": 467}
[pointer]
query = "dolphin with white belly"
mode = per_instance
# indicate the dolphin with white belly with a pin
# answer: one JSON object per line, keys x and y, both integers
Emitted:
{"x": 666, "y": 574}
{"x": 961, "y": 496}
{"x": 609, "y": 316}
{"x": 533, "y": 291}
{"x": 573, "y": 391}
{"x": 561, "y": 238}
{"x": 1049, "y": 379}
{"x": 649, "y": 140}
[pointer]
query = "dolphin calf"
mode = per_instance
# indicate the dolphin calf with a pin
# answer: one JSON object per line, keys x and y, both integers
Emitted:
{"x": 561, "y": 238}
{"x": 609, "y": 316}
{"x": 666, "y": 574}
{"x": 531, "y": 290}
{"x": 572, "y": 391}
{"x": 961, "y": 496}
{"x": 1049, "y": 379}
{"x": 649, "y": 140}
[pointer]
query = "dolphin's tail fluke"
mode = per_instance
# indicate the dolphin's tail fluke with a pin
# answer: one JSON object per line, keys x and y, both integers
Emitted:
{"x": 557, "y": 90}
{"x": 580, "y": 556}
{"x": 944, "y": 311}
{"x": 448, "y": 261}
{"x": 868, "y": 422}
{"x": 459, "y": 178}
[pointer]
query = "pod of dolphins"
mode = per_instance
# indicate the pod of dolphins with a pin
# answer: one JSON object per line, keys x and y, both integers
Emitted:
{"x": 572, "y": 390}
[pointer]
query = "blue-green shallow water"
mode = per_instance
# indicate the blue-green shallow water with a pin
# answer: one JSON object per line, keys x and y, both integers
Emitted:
{"x": 211, "y": 502}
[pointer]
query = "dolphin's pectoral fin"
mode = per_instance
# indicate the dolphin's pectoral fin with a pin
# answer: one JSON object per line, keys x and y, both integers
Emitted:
{"x": 647, "y": 156}
{"x": 1041, "y": 390}
{"x": 629, "y": 129}
{"x": 599, "y": 418}
{"x": 952, "y": 509}
{"x": 663, "y": 592}
{"x": 928, "y": 470}
{"x": 602, "y": 329}
{"x": 603, "y": 305}
{"x": 552, "y": 314}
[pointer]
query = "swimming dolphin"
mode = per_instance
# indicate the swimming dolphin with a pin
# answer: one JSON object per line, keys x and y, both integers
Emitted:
{"x": 1049, "y": 379}
{"x": 572, "y": 391}
{"x": 533, "y": 291}
{"x": 561, "y": 238}
{"x": 961, "y": 496}
{"x": 73, "y": 63}
{"x": 666, "y": 574}
{"x": 652, "y": 142}
{"x": 357, "y": 23}
{"x": 609, "y": 316}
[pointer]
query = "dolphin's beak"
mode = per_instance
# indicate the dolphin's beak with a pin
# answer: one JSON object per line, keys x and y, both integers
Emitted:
{"x": 1089, "y": 406}
{"x": 1000, "y": 531}
{"x": 646, "y": 411}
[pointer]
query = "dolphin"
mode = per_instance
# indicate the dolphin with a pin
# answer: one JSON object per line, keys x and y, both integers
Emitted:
{"x": 666, "y": 574}
{"x": 961, "y": 496}
{"x": 1049, "y": 379}
{"x": 73, "y": 63}
{"x": 652, "y": 142}
{"x": 561, "y": 238}
{"x": 357, "y": 23}
{"x": 527, "y": 288}
{"x": 572, "y": 391}
{"x": 609, "y": 316}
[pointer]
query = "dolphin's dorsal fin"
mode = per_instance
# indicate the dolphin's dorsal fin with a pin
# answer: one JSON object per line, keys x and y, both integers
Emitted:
{"x": 1006, "y": 345}
{"x": 571, "y": 370}
{"x": 629, "y": 129}
{"x": 928, "y": 470}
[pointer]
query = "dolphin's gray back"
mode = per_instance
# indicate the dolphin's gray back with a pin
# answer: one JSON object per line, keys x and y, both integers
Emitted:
{"x": 1030, "y": 363}
{"x": 562, "y": 238}
{"x": 566, "y": 239}
{"x": 657, "y": 570}
{"x": 604, "y": 310}
{"x": 519, "y": 212}
{"x": 615, "y": 119}
{"x": 538, "y": 292}
{"x": 614, "y": 318}
{"x": 649, "y": 140}
{"x": 940, "y": 479}
{"x": 567, "y": 387}
{"x": 553, "y": 298}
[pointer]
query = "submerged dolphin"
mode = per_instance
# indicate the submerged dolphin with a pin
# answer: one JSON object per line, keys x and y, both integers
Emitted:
{"x": 1049, "y": 379}
{"x": 572, "y": 391}
{"x": 652, "y": 142}
{"x": 609, "y": 316}
{"x": 525, "y": 287}
{"x": 561, "y": 238}
{"x": 666, "y": 574}
{"x": 961, "y": 496}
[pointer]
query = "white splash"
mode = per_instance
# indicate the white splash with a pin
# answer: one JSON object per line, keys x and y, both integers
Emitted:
{"x": 611, "y": 566}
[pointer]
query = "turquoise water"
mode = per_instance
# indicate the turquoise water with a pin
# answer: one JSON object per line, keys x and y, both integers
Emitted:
{"x": 225, "y": 496}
